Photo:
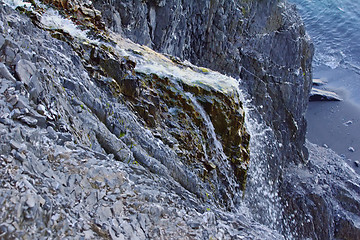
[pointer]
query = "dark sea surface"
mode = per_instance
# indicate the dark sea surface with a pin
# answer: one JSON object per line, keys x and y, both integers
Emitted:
{"x": 334, "y": 26}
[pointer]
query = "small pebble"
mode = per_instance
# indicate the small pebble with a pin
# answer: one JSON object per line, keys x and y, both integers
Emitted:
{"x": 21, "y": 103}
{"x": 41, "y": 109}
{"x": 14, "y": 114}
{"x": 31, "y": 200}
{"x": 29, "y": 121}
{"x": 3, "y": 230}
{"x": 351, "y": 149}
{"x": 16, "y": 145}
{"x": 9, "y": 159}
{"x": 51, "y": 133}
{"x": 357, "y": 163}
{"x": 348, "y": 123}
{"x": 194, "y": 225}
{"x": 13, "y": 99}
{"x": 24, "y": 111}
{"x": 20, "y": 156}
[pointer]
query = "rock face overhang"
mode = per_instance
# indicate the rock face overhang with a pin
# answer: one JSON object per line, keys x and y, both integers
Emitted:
{"x": 262, "y": 42}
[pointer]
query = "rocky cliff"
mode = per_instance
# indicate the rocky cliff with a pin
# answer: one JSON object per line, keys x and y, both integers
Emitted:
{"x": 262, "y": 42}
{"x": 322, "y": 199}
{"x": 105, "y": 138}
{"x": 101, "y": 137}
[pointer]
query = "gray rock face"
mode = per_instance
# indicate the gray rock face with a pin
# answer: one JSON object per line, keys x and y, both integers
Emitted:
{"x": 105, "y": 140}
{"x": 96, "y": 150}
{"x": 324, "y": 196}
{"x": 262, "y": 42}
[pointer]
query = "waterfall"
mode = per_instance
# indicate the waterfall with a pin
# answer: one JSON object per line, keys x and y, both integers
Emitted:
{"x": 218, "y": 157}
{"x": 261, "y": 199}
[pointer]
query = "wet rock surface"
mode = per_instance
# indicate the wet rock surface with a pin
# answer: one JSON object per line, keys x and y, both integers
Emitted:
{"x": 323, "y": 95}
{"x": 320, "y": 93}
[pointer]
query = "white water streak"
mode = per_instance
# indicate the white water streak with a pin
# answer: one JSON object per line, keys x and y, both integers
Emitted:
{"x": 52, "y": 20}
{"x": 209, "y": 127}
{"x": 261, "y": 198}
{"x": 17, "y": 3}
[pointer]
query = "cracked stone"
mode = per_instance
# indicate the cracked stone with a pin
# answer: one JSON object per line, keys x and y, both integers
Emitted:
{"x": 13, "y": 99}
{"x": 25, "y": 70}
{"x": 32, "y": 122}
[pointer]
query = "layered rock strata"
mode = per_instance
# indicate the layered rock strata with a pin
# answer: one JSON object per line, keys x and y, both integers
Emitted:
{"x": 103, "y": 138}
{"x": 265, "y": 44}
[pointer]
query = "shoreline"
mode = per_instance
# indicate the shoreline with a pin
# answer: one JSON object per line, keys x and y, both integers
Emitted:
{"x": 336, "y": 125}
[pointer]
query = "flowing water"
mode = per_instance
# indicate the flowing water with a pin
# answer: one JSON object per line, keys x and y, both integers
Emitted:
{"x": 261, "y": 196}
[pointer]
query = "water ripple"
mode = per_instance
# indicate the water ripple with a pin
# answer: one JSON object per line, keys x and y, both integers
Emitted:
{"x": 335, "y": 29}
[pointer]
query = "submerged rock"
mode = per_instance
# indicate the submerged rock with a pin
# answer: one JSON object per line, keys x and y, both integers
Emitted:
{"x": 318, "y": 82}
{"x": 323, "y": 95}
{"x": 351, "y": 149}
{"x": 357, "y": 163}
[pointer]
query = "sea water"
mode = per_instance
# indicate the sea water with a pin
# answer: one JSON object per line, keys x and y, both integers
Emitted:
{"x": 334, "y": 26}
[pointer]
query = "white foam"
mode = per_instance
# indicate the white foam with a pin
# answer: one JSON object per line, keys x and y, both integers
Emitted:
{"x": 17, "y": 3}
{"x": 188, "y": 75}
{"x": 52, "y": 20}
{"x": 329, "y": 60}
{"x": 149, "y": 61}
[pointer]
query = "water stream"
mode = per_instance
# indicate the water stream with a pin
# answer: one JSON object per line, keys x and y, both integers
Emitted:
{"x": 215, "y": 143}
